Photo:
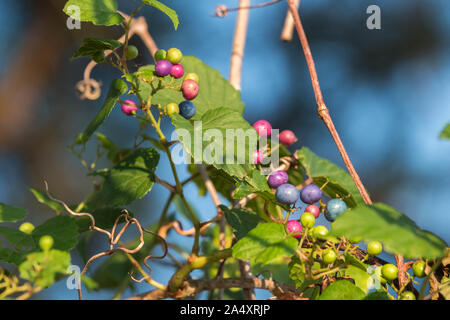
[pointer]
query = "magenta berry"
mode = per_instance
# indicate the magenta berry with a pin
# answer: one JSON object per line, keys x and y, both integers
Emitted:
{"x": 277, "y": 178}
{"x": 129, "y": 107}
{"x": 190, "y": 89}
{"x": 312, "y": 208}
{"x": 177, "y": 71}
{"x": 163, "y": 68}
{"x": 258, "y": 156}
{"x": 263, "y": 128}
{"x": 294, "y": 226}
{"x": 287, "y": 137}
{"x": 311, "y": 194}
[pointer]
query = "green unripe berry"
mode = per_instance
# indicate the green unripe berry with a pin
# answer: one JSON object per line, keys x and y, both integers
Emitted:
{"x": 172, "y": 108}
{"x": 379, "y": 275}
{"x": 329, "y": 256}
{"x": 307, "y": 220}
{"x": 407, "y": 295}
{"x": 192, "y": 76}
{"x": 132, "y": 53}
{"x": 374, "y": 248}
{"x": 174, "y": 55}
{"x": 46, "y": 242}
{"x": 389, "y": 272}
{"x": 320, "y": 232}
{"x": 160, "y": 55}
{"x": 26, "y": 227}
{"x": 419, "y": 268}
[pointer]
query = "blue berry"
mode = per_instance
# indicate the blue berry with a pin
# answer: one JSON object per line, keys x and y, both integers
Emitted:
{"x": 287, "y": 194}
{"x": 311, "y": 194}
{"x": 277, "y": 178}
{"x": 335, "y": 207}
{"x": 187, "y": 109}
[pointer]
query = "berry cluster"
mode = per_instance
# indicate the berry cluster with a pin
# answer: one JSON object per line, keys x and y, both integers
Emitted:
{"x": 168, "y": 63}
{"x": 264, "y": 129}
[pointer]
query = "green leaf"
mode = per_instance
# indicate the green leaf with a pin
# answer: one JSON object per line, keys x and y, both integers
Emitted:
{"x": 17, "y": 238}
{"x": 110, "y": 146}
{"x": 362, "y": 279}
{"x": 351, "y": 260}
{"x": 377, "y": 295}
{"x": 10, "y": 256}
{"x": 44, "y": 268}
{"x": 162, "y": 7}
{"x": 215, "y": 90}
{"x": 117, "y": 88}
{"x": 63, "y": 229}
{"x": 126, "y": 182}
{"x": 44, "y": 199}
{"x": 10, "y": 213}
{"x": 94, "y": 48}
{"x": 296, "y": 271}
{"x": 342, "y": 290}
{"x": 104, "y": 218}
{"x": 322, "y": 171}
{"x": 220, "y": 152}
{"x": 445, "y": 133}
{"x": 265, "y": 244}
{"x": 398, "y": 233}
{"x": 241, "y": 220}
{"x": 99, "y": 12}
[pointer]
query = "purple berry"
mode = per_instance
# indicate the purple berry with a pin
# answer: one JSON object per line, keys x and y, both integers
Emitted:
{"x": 190, "y": 89}
{"x": 312, "y": 208}
{"x": 263, "y": 128}
{"x": 277, "y": 178}
{"x": 287, "y": 137}
{"x": 311, "y": 194}
{"x": 287, "y": 194}
{"x": 128, "y": 108}
{"x": 177, "y": 71}
{"x": 163, "y": 68}
{"x": 294, "y": 226}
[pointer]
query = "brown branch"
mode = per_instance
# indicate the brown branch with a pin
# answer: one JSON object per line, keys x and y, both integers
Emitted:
{"x": 237, "y": 53}
{"x": 288, "y": 28}
{"x": 222, "y": 10}
{"x": 192, "y": 288}
{"x": 321, "y": 107}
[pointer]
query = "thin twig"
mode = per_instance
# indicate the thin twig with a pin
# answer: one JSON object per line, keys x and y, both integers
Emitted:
{"x": 288, "y": 28}
{"x": 322, "y": 110}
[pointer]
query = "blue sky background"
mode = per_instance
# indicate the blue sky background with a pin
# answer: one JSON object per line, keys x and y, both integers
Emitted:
{"x": 388, "y": 92}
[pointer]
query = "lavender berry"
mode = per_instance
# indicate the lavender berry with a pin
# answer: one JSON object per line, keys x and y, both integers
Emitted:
{"x": 277, "y": 178}
{"x": 311, "y": 194}
{"x": 287, "y": 194}
{"x": 163, "y": 68}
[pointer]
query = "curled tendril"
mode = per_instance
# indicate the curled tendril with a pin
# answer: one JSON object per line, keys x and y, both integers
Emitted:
{"x": 165, "y": 249}
{"x": 113, "y": 238}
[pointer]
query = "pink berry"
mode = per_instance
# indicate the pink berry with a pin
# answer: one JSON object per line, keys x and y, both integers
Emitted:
{"x": 294, "y": 226}
{"x": 190, "y": 89}
{"x": 314, "y": 210}
{"x": 263, "y": 128}
{"x": 177, "y": 71}
{"x": 129, "y": 107}
{"x": 287, "y": 137}
{"x": 257, "y": 156}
